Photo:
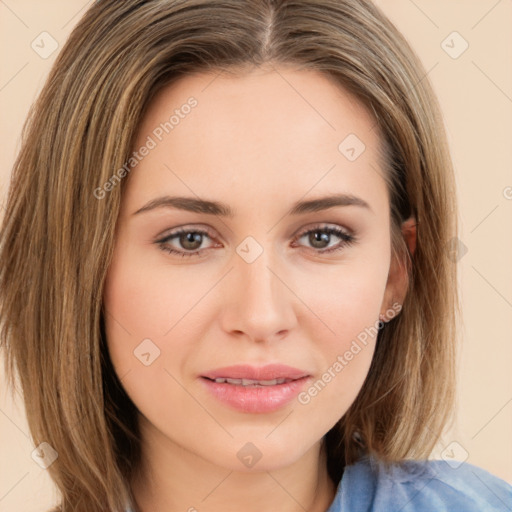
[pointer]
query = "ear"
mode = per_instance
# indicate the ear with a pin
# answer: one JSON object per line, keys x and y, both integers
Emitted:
{"x": 409, "y": 233}
{"x": 398, "y": 278}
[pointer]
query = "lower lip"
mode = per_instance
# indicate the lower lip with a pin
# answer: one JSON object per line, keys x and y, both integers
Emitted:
{"x": 255, "y": 399}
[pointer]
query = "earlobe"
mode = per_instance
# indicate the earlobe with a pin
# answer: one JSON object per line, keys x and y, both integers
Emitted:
{"x": 391, "y": 312}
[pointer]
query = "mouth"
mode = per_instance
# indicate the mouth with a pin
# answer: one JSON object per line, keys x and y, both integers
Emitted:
{"x": 252, "y": 389}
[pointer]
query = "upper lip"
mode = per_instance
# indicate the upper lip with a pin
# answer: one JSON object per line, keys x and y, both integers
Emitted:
{"x": 267, "y": 372}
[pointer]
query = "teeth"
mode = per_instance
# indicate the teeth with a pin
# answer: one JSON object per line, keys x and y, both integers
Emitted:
{"x": 251, "y": 382}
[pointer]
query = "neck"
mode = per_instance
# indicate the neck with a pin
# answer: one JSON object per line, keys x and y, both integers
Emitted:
{"x": 172, "y": 478}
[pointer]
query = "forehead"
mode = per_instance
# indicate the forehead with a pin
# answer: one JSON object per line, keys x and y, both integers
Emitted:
{"x": 282, "y": 128}
{"x": 267, "y": 102}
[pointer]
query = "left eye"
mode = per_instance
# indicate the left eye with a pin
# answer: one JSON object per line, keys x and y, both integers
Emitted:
{"x": 320, "y": 236}
{"x": 190, "y": 241}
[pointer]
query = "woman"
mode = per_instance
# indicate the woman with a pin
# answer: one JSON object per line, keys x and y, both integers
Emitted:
{"x": 233, "y": 223}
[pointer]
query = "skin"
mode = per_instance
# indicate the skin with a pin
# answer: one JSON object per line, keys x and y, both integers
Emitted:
{"x": 258, "y": 142}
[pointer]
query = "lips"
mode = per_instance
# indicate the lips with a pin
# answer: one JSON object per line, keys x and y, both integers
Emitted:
{"x": 252, "y": 389}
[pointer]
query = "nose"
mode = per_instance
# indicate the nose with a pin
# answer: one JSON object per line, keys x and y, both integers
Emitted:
{"x": 260, "y": 304}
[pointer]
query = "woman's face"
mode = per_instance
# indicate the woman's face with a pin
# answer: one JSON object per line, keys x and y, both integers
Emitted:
{"x": 274, "y": 180}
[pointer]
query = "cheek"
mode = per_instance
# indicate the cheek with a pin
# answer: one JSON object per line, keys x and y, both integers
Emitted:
{"x": 147, "y": 300}
{"x": 347, "y": 298}
{"x": 348, "y": 302}
{"x": 141, "y": 307}
{"x": 135, "y": 315}
{"x": 151, "y": 319}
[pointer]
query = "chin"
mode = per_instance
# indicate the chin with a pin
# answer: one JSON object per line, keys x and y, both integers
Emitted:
{"x": 255, "y": 453}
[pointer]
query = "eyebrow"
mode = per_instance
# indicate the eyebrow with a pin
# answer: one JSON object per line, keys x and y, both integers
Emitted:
{"x": 204, "y": 206}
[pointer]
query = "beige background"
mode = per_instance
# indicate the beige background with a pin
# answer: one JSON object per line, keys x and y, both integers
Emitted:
{"x": 476, "y": 96}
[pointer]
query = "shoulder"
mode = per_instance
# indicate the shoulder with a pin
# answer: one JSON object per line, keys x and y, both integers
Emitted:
{"x": 420, "y": 485}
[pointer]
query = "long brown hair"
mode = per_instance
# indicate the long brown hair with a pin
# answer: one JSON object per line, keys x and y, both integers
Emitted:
{"x": 58, "y": 234}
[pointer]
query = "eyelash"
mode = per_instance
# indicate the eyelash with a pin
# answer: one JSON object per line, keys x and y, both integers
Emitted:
{"x": 346, "y": 240}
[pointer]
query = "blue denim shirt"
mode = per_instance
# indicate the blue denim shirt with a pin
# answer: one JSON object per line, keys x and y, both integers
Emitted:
{"x": 419, "y": 486}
